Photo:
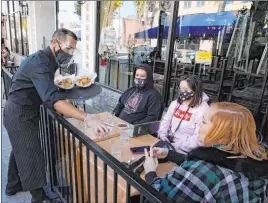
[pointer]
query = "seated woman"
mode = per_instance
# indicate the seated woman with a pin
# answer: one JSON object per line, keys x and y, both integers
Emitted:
{"x": 230, "y": 168}
{"x": 140, "y": 103}
{"x": 180, "y": 125}
{"x": 5, "y": 56}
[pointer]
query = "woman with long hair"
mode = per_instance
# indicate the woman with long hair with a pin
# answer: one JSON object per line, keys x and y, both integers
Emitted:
{"x": 180, "y": 125}
{"x": 231, "y": 167}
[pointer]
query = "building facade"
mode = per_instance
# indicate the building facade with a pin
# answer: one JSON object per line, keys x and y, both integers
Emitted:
{"x": 29, "y": 25}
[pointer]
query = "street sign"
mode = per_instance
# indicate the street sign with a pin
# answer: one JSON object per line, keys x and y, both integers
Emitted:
{"x": 203, "y": 57}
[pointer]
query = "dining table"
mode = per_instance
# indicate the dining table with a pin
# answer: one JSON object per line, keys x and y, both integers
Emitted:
{"x": 88, "y": 165}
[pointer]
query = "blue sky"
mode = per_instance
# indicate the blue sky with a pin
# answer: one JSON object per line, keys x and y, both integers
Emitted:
{"x": 128, "y": 9}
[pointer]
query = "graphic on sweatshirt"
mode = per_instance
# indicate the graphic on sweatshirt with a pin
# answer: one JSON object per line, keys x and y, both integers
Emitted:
{"x": 180, "y": 113}
{"x": 132, "y": 103}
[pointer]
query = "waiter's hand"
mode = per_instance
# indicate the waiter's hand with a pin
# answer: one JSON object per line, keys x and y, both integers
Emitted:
{"x": 99, "y": 128}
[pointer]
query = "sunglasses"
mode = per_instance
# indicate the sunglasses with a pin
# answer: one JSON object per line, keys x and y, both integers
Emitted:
{"x": 66, "y": 47}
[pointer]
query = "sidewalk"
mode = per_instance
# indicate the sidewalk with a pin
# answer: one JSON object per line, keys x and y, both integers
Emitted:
{"x": 20, "y": 197}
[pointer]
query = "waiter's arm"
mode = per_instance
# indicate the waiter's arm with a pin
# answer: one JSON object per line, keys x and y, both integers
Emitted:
{"x": 66, "y": 108}
{"x": 43, "y": 81}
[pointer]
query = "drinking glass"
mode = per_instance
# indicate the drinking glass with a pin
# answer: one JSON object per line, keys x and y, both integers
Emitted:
{"x": 115, "y": 147}
{"x": 124, "y": 136}
{"x": 110, "y": 119}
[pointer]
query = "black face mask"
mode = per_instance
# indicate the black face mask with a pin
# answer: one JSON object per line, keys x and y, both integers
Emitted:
{"x": 184, "y": 95}
{"x": 62, "y": 57}
{"x": 140, "y": 83}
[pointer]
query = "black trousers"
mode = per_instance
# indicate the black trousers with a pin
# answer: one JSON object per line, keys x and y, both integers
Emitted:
{"x": 13, "y": 179}
{"x": 27, "y": 164}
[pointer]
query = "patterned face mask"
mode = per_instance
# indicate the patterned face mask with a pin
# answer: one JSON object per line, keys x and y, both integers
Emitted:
{"x": 184, "y": 95}
{"x": 140, "y": 83}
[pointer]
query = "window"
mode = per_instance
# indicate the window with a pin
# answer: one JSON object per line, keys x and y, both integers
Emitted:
{"x": 228, "y": 2}
{"x": 200, "y": 3}
{"x": 187, "y": 4}
{"x": 18, "y": 21}
{"x": 131, "y": 41}
{"x": 69, "y": 16}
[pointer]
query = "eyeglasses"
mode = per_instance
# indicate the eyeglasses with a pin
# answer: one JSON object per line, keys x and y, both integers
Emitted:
{"x": 66, "y": 48}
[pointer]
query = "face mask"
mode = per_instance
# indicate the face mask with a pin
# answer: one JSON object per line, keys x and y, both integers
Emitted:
{"x": 140, "y": 83}
{"x": 62, "y": 57}
{"x": 184, "y": 95}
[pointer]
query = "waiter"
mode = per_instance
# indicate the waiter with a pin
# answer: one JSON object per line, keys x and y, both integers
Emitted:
{"x": 31, "y": 86}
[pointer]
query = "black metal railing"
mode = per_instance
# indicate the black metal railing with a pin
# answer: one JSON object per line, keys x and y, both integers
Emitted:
{"x": 7, "y": 73}
{"x": 73, "y": 162}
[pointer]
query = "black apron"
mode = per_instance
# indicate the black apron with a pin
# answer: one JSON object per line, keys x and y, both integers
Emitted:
{"x": 22, "y": 126}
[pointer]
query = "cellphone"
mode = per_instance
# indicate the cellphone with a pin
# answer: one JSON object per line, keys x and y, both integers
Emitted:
{"x": 139, "y": 150}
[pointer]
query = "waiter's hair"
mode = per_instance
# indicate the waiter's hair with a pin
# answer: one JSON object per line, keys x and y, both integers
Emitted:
{"x": 62, "y": 33}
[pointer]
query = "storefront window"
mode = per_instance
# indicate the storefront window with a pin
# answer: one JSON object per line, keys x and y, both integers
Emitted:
{"x": 18, "y": 32}
{"x": 18, "y": 19}
{"x": 129, "y": 33}
{"x": 69, "y": 16}
{"x": 219, "y": 30}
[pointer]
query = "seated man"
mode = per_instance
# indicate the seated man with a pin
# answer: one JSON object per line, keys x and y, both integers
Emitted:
{"x": 140, "y": 103}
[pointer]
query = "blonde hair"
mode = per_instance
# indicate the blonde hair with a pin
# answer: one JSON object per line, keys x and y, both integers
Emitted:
{"x": 233, "y": 126}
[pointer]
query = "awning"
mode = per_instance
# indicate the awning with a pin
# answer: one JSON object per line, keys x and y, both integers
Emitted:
{"x": 197, "y": 24}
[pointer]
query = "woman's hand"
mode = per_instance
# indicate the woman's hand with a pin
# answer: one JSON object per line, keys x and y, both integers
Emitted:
{"x": 150, "y": 163}
{"x": 160, "y": 153}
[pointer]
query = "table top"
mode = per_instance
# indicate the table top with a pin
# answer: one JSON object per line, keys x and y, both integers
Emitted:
{"x": 126, "y": 154}
{"x": 126, "y": 145}
{"x": 88, "y": 131}
{"x": 87, "y": 92}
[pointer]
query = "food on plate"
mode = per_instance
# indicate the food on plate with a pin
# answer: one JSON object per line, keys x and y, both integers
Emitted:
{"x": 66, "y": 83}
{"x": 83, "y": 81}
{"x": 122, "y": 125}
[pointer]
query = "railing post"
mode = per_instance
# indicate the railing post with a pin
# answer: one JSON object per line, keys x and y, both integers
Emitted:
{"x": 52, "y": 151}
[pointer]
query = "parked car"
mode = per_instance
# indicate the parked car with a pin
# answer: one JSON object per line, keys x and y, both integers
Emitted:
{"x": 185, "y": 56}
{"x": 141, "y": 53}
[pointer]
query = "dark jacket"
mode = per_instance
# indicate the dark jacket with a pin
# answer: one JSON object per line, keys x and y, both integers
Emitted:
{"x": 149, "y": 106}
{"x": 210, "y": 175}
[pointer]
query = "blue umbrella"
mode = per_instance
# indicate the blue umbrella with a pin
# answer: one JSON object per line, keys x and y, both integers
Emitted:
{"x": 196, "y": 24}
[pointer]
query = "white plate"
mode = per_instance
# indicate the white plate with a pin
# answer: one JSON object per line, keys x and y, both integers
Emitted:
{"x": 91, "y": 76}
{"x": 60, "y": 78}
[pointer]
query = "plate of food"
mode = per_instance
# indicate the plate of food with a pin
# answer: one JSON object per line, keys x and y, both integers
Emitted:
{"x": 65, "y": 82}
{"x": 85, "y": 80}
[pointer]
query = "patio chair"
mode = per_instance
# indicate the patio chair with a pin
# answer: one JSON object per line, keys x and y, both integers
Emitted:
{"x": 250, "y": 90}
{"x": 213, "y": 78}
